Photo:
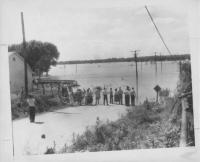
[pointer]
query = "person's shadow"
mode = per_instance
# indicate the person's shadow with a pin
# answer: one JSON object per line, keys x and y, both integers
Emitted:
{"x": 39, "y": 122}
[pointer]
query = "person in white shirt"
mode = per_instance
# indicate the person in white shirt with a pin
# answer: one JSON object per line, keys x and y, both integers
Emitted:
{"x": 105, "y": 96}
{"x": 31, "y": 104}
{"x": 133, "y": 94}
{"x": 98, "y": 95}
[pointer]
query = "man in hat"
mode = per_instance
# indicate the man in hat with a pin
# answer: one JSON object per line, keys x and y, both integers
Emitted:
{"x": 98, "y": 95}
{"x": 120, "y": 92}
{"x": 31, "y": 104}
{"x": 105, "y": 96}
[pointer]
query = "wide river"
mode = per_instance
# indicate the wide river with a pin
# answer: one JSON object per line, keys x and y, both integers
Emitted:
{"x": 121, "y": 74}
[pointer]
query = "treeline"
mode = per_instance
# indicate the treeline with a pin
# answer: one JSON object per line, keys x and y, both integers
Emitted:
{"x": 130, "y": 59}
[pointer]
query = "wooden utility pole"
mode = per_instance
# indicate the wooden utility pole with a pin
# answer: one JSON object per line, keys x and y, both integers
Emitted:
{"x": 64, "y": 70}
{"x": 160, "y": 62}
{"x": 136, "y": 73}
{"x": 180, "y": 65}
{"x": 25, "y": 57}
{"x": 155, "y": 59}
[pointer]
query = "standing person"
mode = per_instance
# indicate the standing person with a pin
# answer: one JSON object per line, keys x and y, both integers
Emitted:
{"x": 31, "y": 104}
{"x": 90, "y": 96}
{"x": 79, "y": 96}
{"x": 116, "y": 96}
{"x": 71, "y": 96}
{"x": 105, "y": 96}
{"x": 133, "y": 97}
{"x": 86, "y": 96}
{"x": 22, "y": 93}
{"x": 97, "y": 94}
{"x": 120, "y": 92}
{"x": 127, "y": 96}
{"x": 111, "y": 96}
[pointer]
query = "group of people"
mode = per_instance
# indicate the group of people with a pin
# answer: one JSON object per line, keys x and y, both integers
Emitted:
{"x": 115, "y": 96}
{"x": 86, "y": 96}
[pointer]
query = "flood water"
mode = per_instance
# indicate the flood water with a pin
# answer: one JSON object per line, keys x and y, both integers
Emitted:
{"x": 122, "y": 74}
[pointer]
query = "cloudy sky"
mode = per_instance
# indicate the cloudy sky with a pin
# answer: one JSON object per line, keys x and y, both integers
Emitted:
{"x": 93, "y": 29}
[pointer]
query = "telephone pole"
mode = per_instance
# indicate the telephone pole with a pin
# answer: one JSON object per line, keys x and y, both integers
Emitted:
{"x": 64, "y": 69}
{"x": 155, "y": 59}
{"x": 25, "y": 57}
{"x": 180, "y": 66}
{"x": 136, "y": 72}
{"x": 160, "y": 61}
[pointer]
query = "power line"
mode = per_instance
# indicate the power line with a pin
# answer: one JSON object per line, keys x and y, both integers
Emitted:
{"x": 161, "y": 37}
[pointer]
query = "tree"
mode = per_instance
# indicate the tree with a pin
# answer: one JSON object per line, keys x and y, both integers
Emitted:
{"x": 40, "y": 55}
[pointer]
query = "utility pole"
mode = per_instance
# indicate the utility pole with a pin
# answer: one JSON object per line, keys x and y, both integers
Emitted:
{"x": 136, "y": 73}
{"x": 64, "y": 69}
{"x": 180, "y": 67}
{"x": 25, "y": 57}
{"x": 160, "y": 61}
{"x": 155, "y": 59}
{"x": 76, "y": 68}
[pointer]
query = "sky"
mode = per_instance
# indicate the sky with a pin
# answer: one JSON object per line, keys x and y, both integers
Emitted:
{"x": 96, "y": 29}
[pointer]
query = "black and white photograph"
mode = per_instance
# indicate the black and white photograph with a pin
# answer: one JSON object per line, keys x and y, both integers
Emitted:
{"x": 91, "y": 76}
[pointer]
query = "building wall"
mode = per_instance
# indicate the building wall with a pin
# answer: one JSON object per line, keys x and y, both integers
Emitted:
{"x": 16, "y": 68}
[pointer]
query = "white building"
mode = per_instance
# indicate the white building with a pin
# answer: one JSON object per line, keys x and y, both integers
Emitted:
{"x": 16, "y": 68}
